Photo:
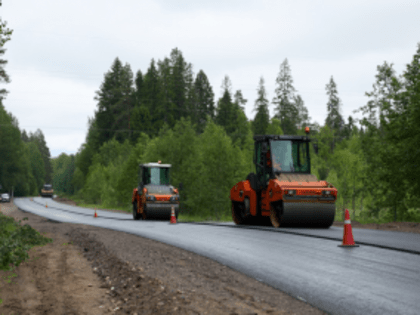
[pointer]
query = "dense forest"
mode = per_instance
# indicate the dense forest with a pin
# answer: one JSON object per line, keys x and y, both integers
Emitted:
{"x": 170, "y": 114}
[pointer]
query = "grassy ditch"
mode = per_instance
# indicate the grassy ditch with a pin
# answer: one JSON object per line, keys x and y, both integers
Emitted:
{"x": 15, "y": 242}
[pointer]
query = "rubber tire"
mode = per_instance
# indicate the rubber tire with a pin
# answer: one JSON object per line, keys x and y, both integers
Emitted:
{"x": 136, "y": 216}
{"x": 237, "y": 213}
{"x": 274, "y": 217}
{"x": 144, "y": 214}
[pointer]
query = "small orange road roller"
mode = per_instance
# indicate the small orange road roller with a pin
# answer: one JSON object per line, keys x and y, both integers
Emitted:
{"x": 154, "y": 197}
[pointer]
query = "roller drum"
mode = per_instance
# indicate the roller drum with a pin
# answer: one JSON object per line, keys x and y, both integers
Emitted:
{"x": 161, "y": 210}
{"x": 307, "y": 214}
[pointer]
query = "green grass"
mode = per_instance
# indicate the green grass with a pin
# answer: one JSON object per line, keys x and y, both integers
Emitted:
{"x": 16, "y": 241}
{"x": 383, "y": 216}
{"x": 83, "y": 204}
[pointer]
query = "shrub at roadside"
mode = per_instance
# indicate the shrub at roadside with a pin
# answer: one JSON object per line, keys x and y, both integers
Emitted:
{"x": 16, "y": 241}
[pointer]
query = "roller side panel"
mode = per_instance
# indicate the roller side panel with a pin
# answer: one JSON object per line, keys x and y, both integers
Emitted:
{"x": 240, "y": 191}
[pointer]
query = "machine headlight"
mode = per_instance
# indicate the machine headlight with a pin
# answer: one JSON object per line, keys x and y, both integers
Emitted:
{"x": 151, "y": 197}
{"x": 326, "y": 192}
{"x": 174, "y": 198}
{"x": 291, "y": 192}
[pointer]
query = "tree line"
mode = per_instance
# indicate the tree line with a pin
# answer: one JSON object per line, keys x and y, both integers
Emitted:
{"x": 25, "y": 163}
{"x": 170, "y": 114}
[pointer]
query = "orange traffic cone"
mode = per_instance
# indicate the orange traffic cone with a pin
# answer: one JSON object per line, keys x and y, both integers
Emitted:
{"x": 348, "y": 240}
{"x": 173, "y": 218}
{"x": 95, "y": 216}
{"x": 46, "y": 204}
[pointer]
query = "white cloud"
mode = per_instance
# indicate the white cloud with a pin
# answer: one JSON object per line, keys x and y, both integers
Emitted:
{"x": 59, "y": 107}
{"x": 60, "y": 50}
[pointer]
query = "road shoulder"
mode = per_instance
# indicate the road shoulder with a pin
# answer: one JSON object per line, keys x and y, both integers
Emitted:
{"x": 118, "y": 273}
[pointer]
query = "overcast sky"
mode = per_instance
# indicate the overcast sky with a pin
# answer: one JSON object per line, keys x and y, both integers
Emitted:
{"x": 60, "y": 51}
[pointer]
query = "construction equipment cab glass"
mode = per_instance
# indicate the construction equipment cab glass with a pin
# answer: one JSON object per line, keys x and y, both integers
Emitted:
{"x": 155, "y": 176}
{"x": 274, "y": 156}
{"x": 289, "y": 156}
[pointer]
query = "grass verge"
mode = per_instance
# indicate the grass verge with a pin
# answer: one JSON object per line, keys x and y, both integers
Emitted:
{"x": 15, "y": 242}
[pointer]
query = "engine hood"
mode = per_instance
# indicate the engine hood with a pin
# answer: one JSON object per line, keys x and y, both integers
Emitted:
{"x": 301, "y": 180}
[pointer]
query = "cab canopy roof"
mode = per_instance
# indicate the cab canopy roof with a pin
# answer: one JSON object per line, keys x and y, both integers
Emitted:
{"x": 155, "y": 165}
{"x": 277, "y": 137}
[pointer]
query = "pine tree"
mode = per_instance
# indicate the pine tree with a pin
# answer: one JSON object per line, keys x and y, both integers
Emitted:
{"x": 9, "y": 148}
{"x": 239, "y": 100}
{"x": 334, "y": 119}
{"x": 177, "y": 95}
{"x": 302, "y": 112}
{"x": 5, "y": 34}
{"x": 182, "y": 78}
{"x": 139, "y": 88}
{"x": 377, "y": 148}
{"x": 115, "y": 101}
{"x": 141, "y": 121}
{"x": 37, "y": 165}
{"x": 165, "y": 110}
{"x": 39, "y": 139}
{"x": 203, "y": 101}
{"x": 226, "y": 111}
{"x": 4, "y": 77}
{"x": 399, "y": 129}
{"x": 262, "y": 118}
{"x": 153, "y": 99}
{"x": 286, "y": 110}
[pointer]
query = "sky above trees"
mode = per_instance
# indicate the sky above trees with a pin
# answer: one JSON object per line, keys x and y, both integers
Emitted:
{"x": 60, "y": 51}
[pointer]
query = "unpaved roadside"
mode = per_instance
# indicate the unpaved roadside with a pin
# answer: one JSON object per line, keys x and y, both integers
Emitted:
{"x": 110, "y": 272}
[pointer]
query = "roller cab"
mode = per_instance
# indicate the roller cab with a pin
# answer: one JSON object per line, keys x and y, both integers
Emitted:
{"x": 283, "y": 188}
{"x": 154, "y": 197}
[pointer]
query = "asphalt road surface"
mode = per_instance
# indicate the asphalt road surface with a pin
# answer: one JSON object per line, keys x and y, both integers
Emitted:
{"x": 381, "y": 278}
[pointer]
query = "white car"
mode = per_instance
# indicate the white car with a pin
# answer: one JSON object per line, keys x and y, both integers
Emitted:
{"x": 5, "y": 197}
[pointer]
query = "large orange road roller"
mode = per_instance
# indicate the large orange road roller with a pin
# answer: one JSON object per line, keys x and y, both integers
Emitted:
{"x": 283, "y": 188}
{"x": 154, "y": 197}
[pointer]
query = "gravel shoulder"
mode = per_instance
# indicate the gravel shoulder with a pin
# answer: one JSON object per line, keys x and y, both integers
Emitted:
{"x": 90, "y": 270}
